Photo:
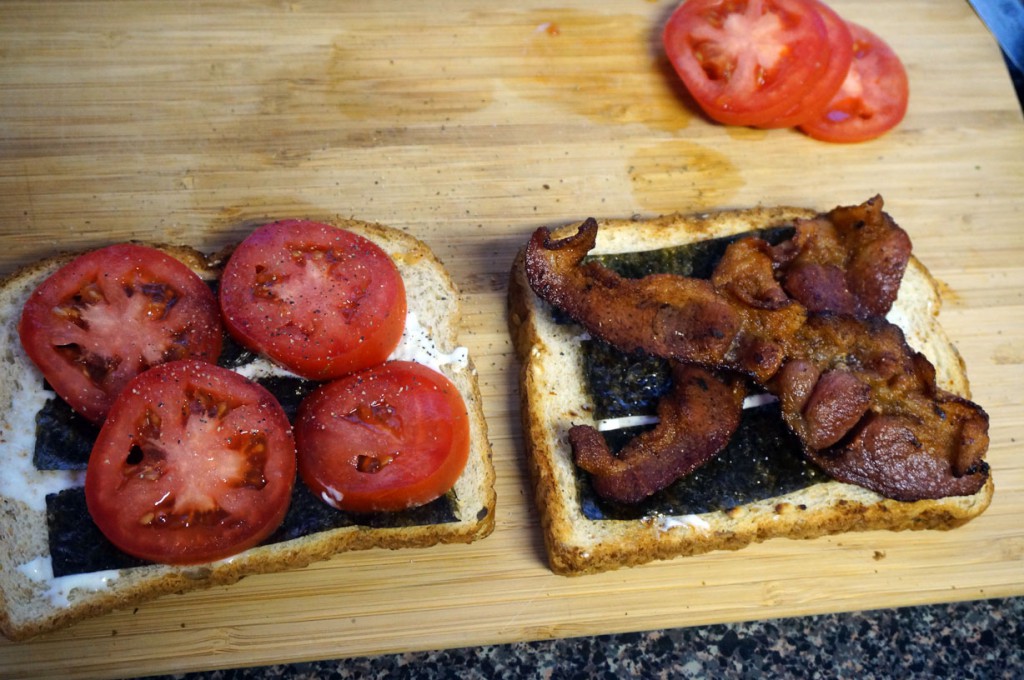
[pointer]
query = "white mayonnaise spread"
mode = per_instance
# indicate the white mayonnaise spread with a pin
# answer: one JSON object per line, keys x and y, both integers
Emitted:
{"x": 695, "y": 522}
{"x": 897, "y": 317}
{"x": 20, "y": 479}
{"x": 418, "y": 345}
{"x": 755, "y": 400}
{"x": 262, "y": 367}
{"x": 608, "y": 424}
{"x": 40, "y": 570}
{"x": 331, "y": 496}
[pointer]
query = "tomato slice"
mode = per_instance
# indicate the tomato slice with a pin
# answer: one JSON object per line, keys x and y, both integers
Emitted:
{"x": 812, "y": 104}
{"x": 319, "y": 300}
{"x": 110, "y": 314}
{"x": 392, "y": 437}
{"x": 194, "y": 463}
{"x": 747, "y": 61}
{"x": 872, "y": 99}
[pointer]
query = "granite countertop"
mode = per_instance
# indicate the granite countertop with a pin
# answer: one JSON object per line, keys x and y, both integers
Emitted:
{"x": 981, "y": 639}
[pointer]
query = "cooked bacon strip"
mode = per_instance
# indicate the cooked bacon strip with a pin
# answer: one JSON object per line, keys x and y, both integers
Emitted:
{"x": 696, "y": 421}
{"x": 848, "y": 261}
{"x": 669, "y": 316}
{"x": 868, "y": 411}
{"x": 851, "y": 388}
{"x": 887, "y": 455}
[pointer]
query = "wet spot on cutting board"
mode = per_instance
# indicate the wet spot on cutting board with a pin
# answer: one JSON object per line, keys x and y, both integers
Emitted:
{"x": 609, "y": 68}
{"x": 1008, "y": 354}
{"x": 680, "y": 176}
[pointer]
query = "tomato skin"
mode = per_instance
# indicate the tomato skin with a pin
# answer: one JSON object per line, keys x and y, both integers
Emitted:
{"x": 319, "y": 300}
{"x": 109, "y": 314}
{"x": 872, "y": 99}
{"x": 392, "y": 437}
{"x": 746, "y": 62}
{"x": 194, "y": 463}
{"x": 813, "y": 102}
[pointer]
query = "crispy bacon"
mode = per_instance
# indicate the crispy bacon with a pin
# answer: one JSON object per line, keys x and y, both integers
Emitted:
{"x": 864, "y": 404}
{"x": 848, "y": 261}
{"x": 669, "y": 316}
{"x": 696, "y": 421}
{"x": 868, "y": 411}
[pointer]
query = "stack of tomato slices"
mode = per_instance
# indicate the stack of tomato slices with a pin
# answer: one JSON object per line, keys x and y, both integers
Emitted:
{"x": 786, "y": 63}
{"x": 194, "y": 462}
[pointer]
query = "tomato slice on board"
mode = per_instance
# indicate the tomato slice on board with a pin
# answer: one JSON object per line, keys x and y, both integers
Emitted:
{"x": 872, "y": 99}
{"x": 194, "y": 463}
{"x": 823, "y": 88}
{"x": 110, "y": 314}
{"x": 319, "y": 300}
{"x": 747, "y": 61}
{"x": 392, "y": 437}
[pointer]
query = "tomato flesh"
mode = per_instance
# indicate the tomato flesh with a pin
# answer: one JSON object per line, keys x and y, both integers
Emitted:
{"x": 319, "y": 300}
{"x": 872, "y": 99}
{"x": 194, "y": 463}
{"x": 746, "y": 62}
{"x": 820, "y": 92}
{"x": 110, "y": 314}
{"x": 392, "y": 437}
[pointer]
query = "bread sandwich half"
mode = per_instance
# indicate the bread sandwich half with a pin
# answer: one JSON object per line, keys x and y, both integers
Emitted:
{"x": 56, "y": 568}
{"x": 761, "y": 485}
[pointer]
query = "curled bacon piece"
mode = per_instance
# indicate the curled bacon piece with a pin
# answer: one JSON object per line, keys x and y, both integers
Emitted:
{"x": 669, "y": 316}
{"x": 868, "y": 411}
{"x": 864, "y": 404}
{"x": 696, "y": 420}
{"x": 848, "y": 261}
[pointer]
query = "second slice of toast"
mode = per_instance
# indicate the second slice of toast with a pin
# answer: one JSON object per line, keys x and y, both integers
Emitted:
{"x": 554, "y": 397}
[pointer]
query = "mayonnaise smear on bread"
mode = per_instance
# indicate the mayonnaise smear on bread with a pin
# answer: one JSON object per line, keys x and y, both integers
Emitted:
{"x": 418, "y": 345}
{"x": 40, "y": 570}
{"x": 21, "y": 480}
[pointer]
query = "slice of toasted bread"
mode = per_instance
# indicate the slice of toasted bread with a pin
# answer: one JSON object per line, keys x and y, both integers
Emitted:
{"x": 554, "y": 397}
{"x": 33, "y": 602}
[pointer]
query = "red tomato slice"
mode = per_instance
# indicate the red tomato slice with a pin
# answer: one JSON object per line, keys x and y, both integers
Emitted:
{"x": 194, "y": 463}
{"x": 747, "y": 61}
{"x": 110, "y": 314}
{"x": 873, "y": 98}
{"x": 392, "y": 437}
{"x": 319, "y": 300}
{"x": 812, "y": 104}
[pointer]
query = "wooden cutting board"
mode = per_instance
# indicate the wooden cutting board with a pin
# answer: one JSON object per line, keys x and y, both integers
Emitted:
{"x": 470, "y": 124}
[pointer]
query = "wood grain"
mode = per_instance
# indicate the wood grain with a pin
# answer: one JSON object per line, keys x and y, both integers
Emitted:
{"x": 469, "y": 125}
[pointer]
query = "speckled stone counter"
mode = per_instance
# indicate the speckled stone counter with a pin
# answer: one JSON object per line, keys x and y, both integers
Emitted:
{"x": 982, "y": 639}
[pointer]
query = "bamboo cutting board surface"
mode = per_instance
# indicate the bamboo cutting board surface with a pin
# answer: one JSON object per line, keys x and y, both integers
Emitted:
{"x": 469, "y": 125}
